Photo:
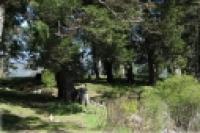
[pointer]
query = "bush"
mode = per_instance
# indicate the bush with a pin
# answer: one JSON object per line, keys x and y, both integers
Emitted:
{"x": 129, "y": 106}
{"x": 182, "y": 96}
{"x": 119, "y": 112}
{"x": 154, "y": 112}
{"x": 48, "y": 78}
{"x": 172, "y": 103}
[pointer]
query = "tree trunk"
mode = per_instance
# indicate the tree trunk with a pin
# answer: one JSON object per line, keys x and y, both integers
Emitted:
{"x": 96, "y": 69}
{"x": 2, "y": 11}
{"x": 95, "y": 62}
{"x": 151, "y": 69}
{"x": 65, "y": 86}
{"x": 108, "y": 67}
{"x": 129, "y": 74}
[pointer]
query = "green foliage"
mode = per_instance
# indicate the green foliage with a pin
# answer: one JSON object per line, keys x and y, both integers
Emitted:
{"x": 40, "y": 35}
{"x": 96, "y": 117}
{"x": 129, "y": 106}
{"x": 154, "y": 111}
{"x": 164, "y": 43}
{"x": 41, "y": 31}
{"x": 116, "y": 91}
{"x": 51, "y": 11}
{"x": 56, "y": 53}
{"x": 179, "y": 96}
{"x": 179, "y": 89}
{"x": 119, "y": 112}
{"x": 172, "y": 31}
{"x": 66, "y": 55}
{"x": 48, "y": 78}
{"x": 63, "y": 55}
{"x": 182, "y": 95}
{"x": 110, "y": 34}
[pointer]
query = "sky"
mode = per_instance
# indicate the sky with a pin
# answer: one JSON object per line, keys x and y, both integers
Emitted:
{"x": 21, "y": 71}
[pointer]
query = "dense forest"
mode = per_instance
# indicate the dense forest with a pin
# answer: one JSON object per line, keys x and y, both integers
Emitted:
{"x": 118, "y": 65}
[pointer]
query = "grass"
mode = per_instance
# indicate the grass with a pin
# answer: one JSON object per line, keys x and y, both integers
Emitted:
{"x": 95, "y": 118}
{"x": 21, "y": 110}
{"x": 105, "y": 91}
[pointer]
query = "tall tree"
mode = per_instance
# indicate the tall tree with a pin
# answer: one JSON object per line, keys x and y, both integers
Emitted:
{"x": 191, "y": 36}
{"x": 54, "y": 38}
{"x": 163, "y": 44}
{"x": 109, "y": 25}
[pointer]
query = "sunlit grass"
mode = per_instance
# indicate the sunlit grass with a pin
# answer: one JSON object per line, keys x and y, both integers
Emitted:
{"x": 33, "y": 111}
{"x": 29, "y": 118}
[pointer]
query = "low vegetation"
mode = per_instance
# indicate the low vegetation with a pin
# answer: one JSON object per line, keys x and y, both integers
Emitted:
{"x": 48, "y": 79}
{"x": 171, "y": 104}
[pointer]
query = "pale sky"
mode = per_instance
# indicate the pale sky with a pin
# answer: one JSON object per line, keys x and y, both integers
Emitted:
{"x": 21, "y": 71}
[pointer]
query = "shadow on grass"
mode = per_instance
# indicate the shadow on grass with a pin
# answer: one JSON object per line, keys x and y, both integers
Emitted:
{"x": 20, "y": 83}
{"x": 12, "y": 122}
{"x": 40, "y": 103}
{"x": 48, "y": 104}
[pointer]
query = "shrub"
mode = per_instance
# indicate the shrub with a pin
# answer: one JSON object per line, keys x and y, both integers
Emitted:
{"x": 129, "y": 106}
{"x": 119, "y": 112}
{"x": 48, "y": 78}
{"x": 182, "y": 96}
{"x": 154, "y": 112}
{"x": 172, "y": 103}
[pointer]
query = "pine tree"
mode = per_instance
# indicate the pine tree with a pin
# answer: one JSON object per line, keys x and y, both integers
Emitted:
{"x": 109, "y": 27}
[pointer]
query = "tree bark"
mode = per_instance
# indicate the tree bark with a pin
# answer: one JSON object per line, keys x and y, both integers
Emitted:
{"x": 95, "y": 62}
{"x": 129, "y": 74}
{"x": 151, "y": 69}
{"x": 96, "y": 69}
{"x": 2, "y": 11}
{"x": 65, "y": 86}
{"x": 108, "y": 67}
